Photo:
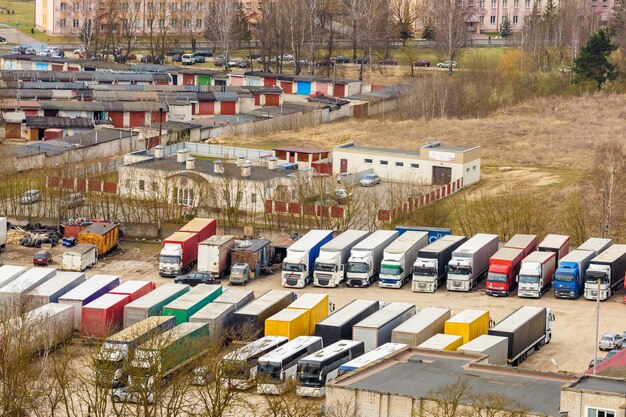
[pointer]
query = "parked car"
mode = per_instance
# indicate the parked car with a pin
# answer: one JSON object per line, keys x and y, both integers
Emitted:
{"x": 324, "y": 63}
{"x": 447, "y": 64}
{"x": 73, "y": 200}
{"x": 79, "y": 51}
{"x": 370, "y": 180}
{"x": 316, "y": 93}
{"x": 174, "y": 51}
{"x": 199, "y": 59}
{"x": 42, "y": 257}
{"x": 30, "y": 51}
{"x": 178, "y": 57}
{"x": 611, "y": 341}
{"x": 422, "y": 63}
{"x": 389, "y": 61}
{"x": 263, "y": 59}
{"x": 195, "y": 278}
{"x": 149, "y": 59}
{"x": 3, "y": 40}
{"x": 187, "y": 59}
{"x": 45, "y": 52}
{"x": 131, "y": 395}
{"x": 220, "y": 60}
{"x": 286, "y": 57}
{"x": 243, "y": 63}
{"x": 594, "y": 362}
{"x": 18, "y": 50}
{"x": 362, "y": 61}
{"x": 30, "y": 197}
{"x": 340, "y": 59}
{"x": 205, "y": 54}
{"x": 233, "y": 62}
{"x": 342, "y": 195}
{"x": 346, "y": 178}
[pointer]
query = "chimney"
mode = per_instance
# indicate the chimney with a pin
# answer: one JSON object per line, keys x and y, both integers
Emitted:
{"x": 246, "y": 169}
{"x": 190, "y": 163}
{"x": 218, "y": 167}
{"x": 181, "y": 156}
{"x": 159, "y": 152}
{"x": 272, "y": 163}
{"x": 240, "y": 161}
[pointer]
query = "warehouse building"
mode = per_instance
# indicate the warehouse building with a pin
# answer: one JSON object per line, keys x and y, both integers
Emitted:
{"x": 433, "y": 163}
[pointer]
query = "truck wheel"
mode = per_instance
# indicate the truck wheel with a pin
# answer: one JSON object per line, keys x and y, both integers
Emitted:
{"x": 116, "y": 399}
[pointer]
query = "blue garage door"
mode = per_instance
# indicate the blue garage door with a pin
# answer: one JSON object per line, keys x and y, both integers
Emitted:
{"x": 41, "y": 66}
{"x": 304, "y": 87}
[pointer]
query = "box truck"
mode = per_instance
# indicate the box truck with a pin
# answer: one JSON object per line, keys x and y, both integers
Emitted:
{"x": 504, "y": 267}
{"x": 119, "y": 349}
{"x": 605, "y": 274}
{"x": 103, "y": 316}
{"x": 8, "y": 273}
{"x": 376, "y": 329}
{"x": 536, "y": 273}
{"x": 426, "y": 323}
{"x": 180, "y": 250}
{"x": 317, "y": 304}
{"x": 237, "y": 297}
{"x": 152, "y": 303}
{"x": 468, "y": 323}
{"x": 527, "y": 243}
{"x": 470, "y": 262}
{"x": 214, "y": 255}
{"x": 297, "y": 269}
{"x": 430, "y": 267}
{"x": 57, "y": 286}
{"x": 338, "y": 326}
{"x": 103, "y": 235}
{"x": 399, "y": 257}
{"x": 494, "y": 347}
{"x": 14, "y": 293}
{"x": 527, "y": 329}
{"x": 569, "y": 275}
{"x": 249, "y": 259}
{"x": 189, "y": 303}
{"x": 434, "y": 233}
{"x": 366, "y": 256}
{"x": 217, "y": 316}
{"x": 449, "y": 342}
{"x": 330, "y": 265}
{"x": 251, "y": 318}
{"x": 86, "y": 292}
{"x": 559, "y": 244}
{"x": 79, "y": 258}
{"x": 134, "y": 288}
{"x": 288, "y": 323}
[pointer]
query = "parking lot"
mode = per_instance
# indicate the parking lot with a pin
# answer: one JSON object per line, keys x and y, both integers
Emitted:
{"x": 572, "y": 346}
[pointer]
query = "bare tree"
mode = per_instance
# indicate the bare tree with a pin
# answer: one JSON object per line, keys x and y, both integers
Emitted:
{"x": 223, "y": 25}
{"x": 448, "y": 400}
{"x": 610, "y": 186}
{"x": 449, "y": 17}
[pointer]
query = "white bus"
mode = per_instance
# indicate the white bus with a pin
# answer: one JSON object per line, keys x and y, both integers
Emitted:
{"x": 372, "y": 356}
{"x": 240, "y": 365}
{"x": 317, "y": 369}
{"x": 278, "y": 367}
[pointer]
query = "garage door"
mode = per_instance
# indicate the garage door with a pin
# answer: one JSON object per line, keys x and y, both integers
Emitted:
{"x": 340, "y": 90}
{"x": 204, "y": 80}
{"x": 272, "y": 99}
{"x": 41, "y": 66}
{"x": 257, "y": 99}
{"x": 137, "y": 118}
{"x": 117, "y": 117}
{"x": 287, "y": 87}
{"x": 228, "y": 107}
{"x": 189, "y": 79}
{"x": 207, "y": 107}
{"x": 304, "y": 88}
{"x": 268, "y": 82}
{"x": 442, "y": 175}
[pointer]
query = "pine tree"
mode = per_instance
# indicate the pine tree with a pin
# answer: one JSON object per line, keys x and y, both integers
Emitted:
{"x": 428, "y": 32}
{"x": 593, "y": 63}
{"x": 505, "y": 28}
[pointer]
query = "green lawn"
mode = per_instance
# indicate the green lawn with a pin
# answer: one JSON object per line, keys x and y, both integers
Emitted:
{"x": 22, "y": 18}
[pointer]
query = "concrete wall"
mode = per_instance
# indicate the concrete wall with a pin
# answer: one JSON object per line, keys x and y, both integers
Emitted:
{"x": 576, "y": 402}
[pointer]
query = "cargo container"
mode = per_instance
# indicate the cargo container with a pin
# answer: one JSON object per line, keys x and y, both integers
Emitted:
{"x": 252, "y": 258}
{"x": 288, "y": 323}
{"x": 469, "y": 324}
{"x": 103, "y": 235}
{"x": 54, "y": 324}
{"x": 8, "y": 273}
{"x": 371, "y": 357}
{"x": 494, "y": 347}
{"x": 190, "y": 303}
{"x": 504, "y": 267}
{"x": 237, "y": 297}
{"x": 13, "y": 294}
{"x": 527, "y": 243}
{"x": 470, "y": 262}
{"x": 570, "y": 273}
{"x": 559, "y": 244}
{"x": 214, "y": 255}
{"x": 449, "y": 342}
{"x": 217, "y": 316}
{"x": 3, "y": 233}
{"x": 251, "y": 318}
{"x": 86, "y": 292}
{"x": 338, "y": 326}
{"x": 605, "y": 274}
{"x": 297, "y": 267}
{"x": 152, "y": 303}
{"x": 376, "y": 329}
{"x": 104, "y": 315}
{"x": 55, "y": 287}
{"x": 203, "y": 227}
{"x": 434, "y": 233}
{"x": 399, "y": 257}
{"x": 317, "y": 304}
{"x": 426, "y": 323}
{"x": 118, "y": 349}
{"x": 430, "y": 268}
{"x": 180, "y": 250}
{"x": 330, "y": 265}
{"x": 536, "y": 274}
{"x": 79, "y": 258}
{"x": 527, "y": 329}
{"x": 134, "y": 288}
{"x": 366, "y": 257}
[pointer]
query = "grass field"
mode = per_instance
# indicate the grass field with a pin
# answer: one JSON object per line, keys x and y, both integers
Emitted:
{"x": 24, "y": 20}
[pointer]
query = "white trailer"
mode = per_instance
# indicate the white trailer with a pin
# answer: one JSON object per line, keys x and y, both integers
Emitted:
{"x": 422, "y": 326}
{"x": 57, "y": 286}
{"x": 297, "y": 269}
{"x": 214, "y": 255}
{"x": 366, "y": 256}
{"x": 54, "y": 324}
{"x": 330, "y": 265}
{"x": 27, "y": 282}
{"x": 558, "y": 244}
{"x": 470, "y": 262}
{"x": 376, "y": 329}
{"x": 536, "y": 274}
{"x": 494, "y": 347}
{"x": 239, "y": 298}
{"x": 217, "y": 316}
{"x": 597, "y": 245}
{"x": 3, "y": 232}
{"x": 79, "y": 258}
{"x": 399, "y": 257}
{"x": 8, "y": 273}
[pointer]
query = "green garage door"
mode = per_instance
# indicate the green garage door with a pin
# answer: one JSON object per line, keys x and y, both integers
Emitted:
{"x": 204, "y": 80}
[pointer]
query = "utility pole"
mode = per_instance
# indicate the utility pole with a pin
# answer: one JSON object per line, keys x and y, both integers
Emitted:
{"x": 595, "y": 357}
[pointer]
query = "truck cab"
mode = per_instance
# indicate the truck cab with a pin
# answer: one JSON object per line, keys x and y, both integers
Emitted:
{"x": 566, "y": 281}
{"x": 328, "y": 270}
{"x": 392, "y": 272}
{"x": 460, "y": 274}
{"x": 239, "y": 274}
{"x": 425, "y": 275}
{"x": 360, "y": 269}
{"x": 170, "y": 260}
{"x": 595, "y": 290}
{"x": 295, "y": 270}
{"x": 110, "y": 369}
{"x": 500, "y": 280}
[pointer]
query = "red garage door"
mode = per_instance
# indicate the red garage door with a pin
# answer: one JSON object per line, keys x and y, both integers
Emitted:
{"x": 228, "y": 107}
{"x": 257, "y": 99}
{"x": 189, "y": 79}
{"x": 340, "y": 90}
{"x": 206, "y": 107}
{"x": 268, "y": 82}
{"x": 287, "y": 87}
{"x": 272, "y": 99}
{"x": 117, "y": 117}
{"x": 137, "y": 118}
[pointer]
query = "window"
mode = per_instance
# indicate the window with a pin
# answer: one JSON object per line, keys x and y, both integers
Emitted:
{"x": 368, "y": 161}
{"x": 492, "y": 20}
{"x": 515, "y": 19}
{"x": 481, "y": 4}
{"x": 161, "y": 6}
{"x": 150, "y": 6}
{"x": 239, "y": 195}
{"x": 187, "y": 7}
{"x": 174, "y": 7}
{"x": 293, "y": 194}
{"x": 599, "y": 412}
{"x": 155, "y": 186}
{"x": 382, "y": 162}
{"x": 127, "y": 184}
{"x": 142, "y": 185}
{"x": 174, "y": 23}
{"x": 481, "y": 19}
{"x": 75, "y": 23}
{"x": 505, "y": 4}
{"x": 187, "y": 23}
{"x": 527, "y": 4}
{"x": 161, "y": 23}
{"x": 138, "y": 6}
{"x": 125, "y": 6}
{"x": 494, "y": 3}
{"x": 62, "y": 23}
{"x": 150, "y": 22}
{"x": 199, "y": 6}
{"x": 399, "y": 164}
{"x": 137, "y": 23}
{"x": 474, "y": 168}
{"x": 125, "y": 22}
{"x": 76, "y": 6}
{"x": 253, "y": 198}
{"x": 89, "y": 7}
{"x": 63, "y": 7}
{"x": 198, "y": 23}
{"x": 415, "y": 166}
{"x": 516, "y": 3}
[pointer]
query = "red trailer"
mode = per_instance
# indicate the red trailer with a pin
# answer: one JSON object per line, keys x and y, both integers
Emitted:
{"x": 103, "y": 316}
{"x": 527, "y": 243}
{"x": 504, "y": 266}
{"x": 180, "y": 250}
{"x": 134, "y": 288}
{"x": 204, "y": 228}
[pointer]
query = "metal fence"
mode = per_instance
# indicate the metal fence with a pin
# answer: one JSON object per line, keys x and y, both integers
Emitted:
{"x": 215, "y": 151}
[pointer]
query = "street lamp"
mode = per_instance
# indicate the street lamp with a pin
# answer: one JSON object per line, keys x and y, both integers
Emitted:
{"x": 59, "y": 197}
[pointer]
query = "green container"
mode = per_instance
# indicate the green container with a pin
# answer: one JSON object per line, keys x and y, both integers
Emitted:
{"x": 187, "y": 305}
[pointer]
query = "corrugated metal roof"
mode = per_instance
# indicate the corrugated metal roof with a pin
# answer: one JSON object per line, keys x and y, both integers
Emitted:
{"x": 38, "y": 122}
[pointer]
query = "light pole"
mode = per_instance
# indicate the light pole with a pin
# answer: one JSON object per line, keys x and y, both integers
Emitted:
{"x": 59, "y": 182}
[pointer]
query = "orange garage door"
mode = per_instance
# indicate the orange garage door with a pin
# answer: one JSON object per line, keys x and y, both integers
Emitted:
{"x": 228, "y": 107}
{"x": 272, "y": 99}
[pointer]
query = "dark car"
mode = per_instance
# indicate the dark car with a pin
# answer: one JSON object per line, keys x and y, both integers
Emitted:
{"x": 199, "y": 59}
{"x": 177, "y": 57}
{"x": 324, "y": 63}
{"x": 206, "y": 54}
{"x": 340, "y": 59}
{"x": 174, "y": 51}
{"x": 362, "y": 61}
{"x": 389, "y": 61}
{"x": 220, "y": 60}
{"x": 422, "y": 63}
{"x": 149, "y": 59}
{"x": 195, "y": 278}
{"x": 42, "y": 257}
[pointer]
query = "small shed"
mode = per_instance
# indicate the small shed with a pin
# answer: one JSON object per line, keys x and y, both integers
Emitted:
{"x": 304, "y": 157}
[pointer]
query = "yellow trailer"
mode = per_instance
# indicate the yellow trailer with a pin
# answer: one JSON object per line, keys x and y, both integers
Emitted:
{"x": 288, "y": 323}
{"x": 103, "y": 235}
{"x": 468, "y": 323}
{"x": 441, "y": 341}
{"x": 317, "y": 304}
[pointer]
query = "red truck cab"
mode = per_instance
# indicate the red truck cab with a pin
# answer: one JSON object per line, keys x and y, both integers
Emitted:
{"x": 504, "y": 267}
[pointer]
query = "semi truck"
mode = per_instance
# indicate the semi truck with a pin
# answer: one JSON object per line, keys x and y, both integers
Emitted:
{"x": 434, "y": 233}
{"x": 330, "y": 265}
{"x": 376, "y": 329}
{"x": 152, "y": 303}
{"x": 399, "y": 257}
{"x": 430, "y": 268}
{"x": 570, "y": 274}
{"x": 366, "y": 256}
{"x": 536, "y": 273}
{"x": 504, "y": 267}
{"x": 559, "y": 244}
{"x": 338, "y": 326}
{"x": 605, "y": 274}
{"x": 297, "y": 269}
{"x": 251, "y": 318}
{"x": 118, "y": 349}
{"x": 470, "y": 262}
{"x": 527, "y": 329}
{"x": 214, "y": 255}
{"x": 180, "y": 250}
{"x": 422, "y": 326}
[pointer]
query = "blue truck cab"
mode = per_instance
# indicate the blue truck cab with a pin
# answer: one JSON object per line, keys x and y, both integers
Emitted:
{"x": 569, "y": 277}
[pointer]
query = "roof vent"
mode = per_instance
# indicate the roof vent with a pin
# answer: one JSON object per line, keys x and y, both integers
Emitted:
{"x": 181, "y": 156}
{"x": 246, "y": 169}
{"x": 272, "y": 163}
{"x": 190, "y": 163}
{"x": 159, "y": 152}
{"x": 218, "y": 167}
{"x": 240, "y": 161}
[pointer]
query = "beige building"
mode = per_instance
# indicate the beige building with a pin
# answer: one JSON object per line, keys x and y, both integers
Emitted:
{"x": 594, "y": 396}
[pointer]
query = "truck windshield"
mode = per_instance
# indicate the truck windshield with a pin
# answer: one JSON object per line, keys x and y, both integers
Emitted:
{"x": 168, "y": 259}
{"x": 459, "y": 270}
{"x": 493, "y": 276}
{"x": 324, "y": 267}
{"x": 236, "y": 369}
{"x": 269, "y": 371}
{"x": 593, "y": 276}
{"x": 424, "y": 271}
{"x": 293, "y": 267}
{"x": 358, "y": 267}
{"x": 528, "y": 279}
{"x": 387, "y": 269}
{"x": 309, "y": 374}
{"x": 564, "y": 277}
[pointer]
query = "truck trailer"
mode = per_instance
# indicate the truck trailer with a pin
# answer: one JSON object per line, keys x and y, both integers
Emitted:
{"x": 605, "y": 274}
{"x": 570, "y": 274}
{"x": 494, "y": 347}
{"x": 57, "y": 286}
{"x": 504, "y": 267}
{"x": 449, "y": 342}
{"x": 54, "y": 324}
{"x": 536, "y": 274}
{"x": 470, "y": 262}
{"x": 330, "y": 266}
{"x": 430, "y": 268}
{"x": 317, "y": 304}
{"x": 297, "y": 269}
{"x": 86, "y": 292}
{"x": 79, "y": 258}
{"x": 288, "y": 323}
{"x": 527, "y": 329}
{"x": 559, "y": 244}
{"x": 376, "y": 329}
{"x": 8, "y": 273}
{"x": 366, "y": 257}
{"x": 597, "y": 245}
{"x": 527, "y": 243}
{"x": 103, "y": 316}
{"x": 468, "y": 323}
{"x": 251, "y": 318}
{"x": 217, "y": 316}
{"x": 399, "y": 257}
{"x": 426, "y": 323}
{"x": 180, "y": 250}
{"x": 14, "y": 293}
{"x": 191, "y": 302}
{"x": 434, "y": 233}
{"x": 152, "y": 303}
{"x": 134, "y": 288}
{"x": 249, "y": 259}
{"x": 236, "y": 297}
{"x": 338, "y": 326}
{"x": 214, "y": 255}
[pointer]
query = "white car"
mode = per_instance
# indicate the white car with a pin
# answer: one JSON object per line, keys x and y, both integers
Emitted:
{"x": 188, "y": 59}
{"x": 611, "y": 341}
{"x": 30, "y": 197}
{"x": 369, "y": 180}
{"x": 129, "y": 394}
